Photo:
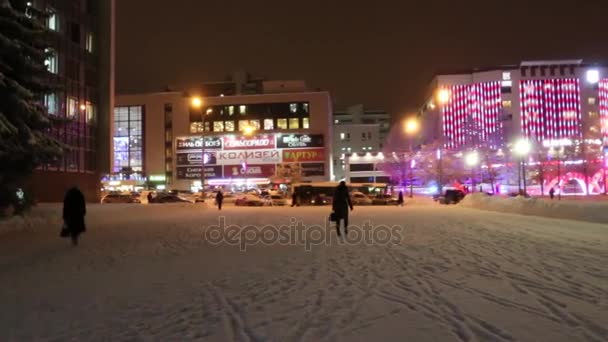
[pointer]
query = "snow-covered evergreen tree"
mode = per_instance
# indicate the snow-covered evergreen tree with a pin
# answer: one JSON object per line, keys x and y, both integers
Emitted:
{"x": 24, "y": 80}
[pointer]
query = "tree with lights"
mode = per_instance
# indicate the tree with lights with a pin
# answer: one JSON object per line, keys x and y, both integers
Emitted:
{"x": 23, "y": 83}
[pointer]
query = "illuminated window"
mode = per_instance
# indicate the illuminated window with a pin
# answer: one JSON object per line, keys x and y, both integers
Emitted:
{"x": 242, "y": 109}
{"x": 51, "y": 61}
{"x": 342, "y": 136}
{"x": 243, "y": 124}
{"x": 305, "y": 123}
{"x": 89, "y": 42}
{"x": 268, "y": 124}
{"x": 591, "y": 100}
{"x": 569, "y": 115}
{"x": 72, "y": 107}
{"x": 506, "y": 75}
{"x": 293, "y": 107}
{"x": 294, "y": 123}
{"x": 231, "y": 110}
{"x": 218, "y": 126}
{"x": 91, "y": 110}
{"x": 52, "y": 22}
{"x": 593, "y": 115}
{"x": 229, "y": 126}
{"x": 196, "y": 127}
{"x": 255, "y": 124}
{"x": 336, "y": 121}
{"x": 506, "y": 103}
{"x": 128, "y": 138}
{"x": 305, "y": 107}
{"x": 207, "y": 126}
{"x": 282, "y": 123}
{"x": 51, "y": 104}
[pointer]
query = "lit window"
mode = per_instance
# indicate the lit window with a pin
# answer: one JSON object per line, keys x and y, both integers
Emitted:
{"x": 592, "y": 101}
{"x": 207, "y": 126}
{"x": 569, "y": 115}
{"x": 293, "y": 107}
{"x": 336, "y": 121}
{"x": 593, "y": 76}
{"x": 305, "y": 123}
{"x": 349, "y": 149}
{"x": 50, "y": 102}
{"x": 342, "y": 135}
{"x": 196, "y": 127}
{"x": 52, "y": 22}
{"x": 506, "y": 103}
{"x": 231, "y": 110}
{"x": 255, "y": 124}
{"x": 305, "y": 105}
{"x": 343, "y": 148}
{"x": 72, "y": 107}
{"x": 268, "y": 124}
{"x": 243, "y": 124}
{"x": 218, "y": 126}
{"x": 507, "y": 84}
{"x": 91, "y": 112}
{"x": 229, "y": 126}
{"x": 89, "y": 42}
{"x": 51, "y": 61}
{"x": 242, "y": 109}
{"x": 294, "y": 123}
{"x": 282, "y": 123}
{"x": 506, "y": 75}
{"x": 593, "y": 115}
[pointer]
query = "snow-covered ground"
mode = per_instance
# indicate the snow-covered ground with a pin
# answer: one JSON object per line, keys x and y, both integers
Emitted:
{"x": 570, "y": 209}
{"x": 148, "y": 272}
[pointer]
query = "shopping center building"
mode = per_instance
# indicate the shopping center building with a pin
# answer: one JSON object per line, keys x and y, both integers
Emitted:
{"x": 279, "y": 135}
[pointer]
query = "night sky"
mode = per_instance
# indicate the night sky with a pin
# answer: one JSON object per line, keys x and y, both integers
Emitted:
{"x": 379, "y": 53}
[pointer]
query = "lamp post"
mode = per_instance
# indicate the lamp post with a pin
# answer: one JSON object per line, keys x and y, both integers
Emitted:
{"x": 522, "y": 149}
{"x": 411, "y": 127}
{"x": 558, "y": 151}
{"x": 472, "y": 159}
{"x": 247, "y": 131}
{"x": 197, "y": 104}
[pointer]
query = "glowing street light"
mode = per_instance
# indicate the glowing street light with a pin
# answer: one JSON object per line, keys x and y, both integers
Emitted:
{"x": 196, "y": 102}
{"x": 411, "y": 126}
{"x": 248, "y": 130}
{"x": 472, "y": 159}
{"x": 522, "y": 147}
{"x": 443, "y": 96}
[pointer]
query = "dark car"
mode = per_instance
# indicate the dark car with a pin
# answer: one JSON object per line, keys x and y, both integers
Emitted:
{"x": 452, "y": 196}
{"x": 384, "y": 200}
{"x": 168, "y": 198}
{"x": 120, "y": 198}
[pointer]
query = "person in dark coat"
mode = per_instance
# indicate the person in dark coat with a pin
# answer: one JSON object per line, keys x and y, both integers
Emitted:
{"x": 150, "y": 197}
{"x": 294, "y": 199}
{"x": 219, "y": 198}
{"x": 340, "y": 205}
{"x": 400, "y": 199}
{"x": 552, "y": 193}
{"x": 74, "y": 210}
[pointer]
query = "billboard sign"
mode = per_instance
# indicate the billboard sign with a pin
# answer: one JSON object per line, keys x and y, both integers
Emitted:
{"x": 244, "y": 142}
{"x": 187, "y": 172}
{"x": 249, "y": 170}
{"x": 299, "y": 140}
{"x": 194, "y": 158}
{"x": 304, "y": 155}
{"x": 248, "y": 156}
{"x": 312, "y": 169}
{"x": 195, "y": 143}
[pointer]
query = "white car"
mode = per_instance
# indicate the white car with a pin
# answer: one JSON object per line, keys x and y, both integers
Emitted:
{"x": 359, "y": 198}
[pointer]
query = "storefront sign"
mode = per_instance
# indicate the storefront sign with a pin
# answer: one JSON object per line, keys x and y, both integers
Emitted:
{"x": 299, "y": 140}
{"x": 243, "y": 142}
{"x": 211, "y": 172}
{"x": 194, "y": 158}
{"x": 194, "y": 143}
{"x": 312, "y": 169}
{"x": 245, "y": 170}
{"x": 247, "y": 156}
{"x": 157, "y": 178}
{"x": 304, "y": 155}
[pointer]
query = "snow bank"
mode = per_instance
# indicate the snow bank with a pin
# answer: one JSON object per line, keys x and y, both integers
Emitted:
{"x": 569, "y": 210}
{"x": 42, "y": 215}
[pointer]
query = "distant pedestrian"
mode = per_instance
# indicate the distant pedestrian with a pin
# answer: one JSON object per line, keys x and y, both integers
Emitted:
{"x": 400, "y": 199}
{"x": 149, "y": 197}
{"x": 341, "y": 203}
{"x": 552, "y": 193}
{"x": 480, "y": 188}
{"x": 219, "y": 198}
{"x": 294, "y": 199}
{"x": 74, "y": 210}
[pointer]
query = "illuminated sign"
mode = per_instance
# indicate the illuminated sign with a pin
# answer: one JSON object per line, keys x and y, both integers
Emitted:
{"x": 186, "y": 172}
{"x": 250, "y": 157}
{"x": 157, "y": 178}
{"x": 194, "y": 143}
{"x": 244, "y": 142}
{"x": 300, "y": 140}
{"x": 194, "y": 158}
{"x": 249, "y": 170}
{"x": 304, "y": 155}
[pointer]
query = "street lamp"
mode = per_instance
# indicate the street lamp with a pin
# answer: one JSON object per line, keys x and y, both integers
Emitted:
{"x": 196, "y": 103}
{"x": 443, "y": 96}
{"x": 247, "y": 131}
{"x": 411, "y": 127}
{"x": 558, "y": 151}
{"x": 472, "y": 159}
{"x": 522, "y": 148}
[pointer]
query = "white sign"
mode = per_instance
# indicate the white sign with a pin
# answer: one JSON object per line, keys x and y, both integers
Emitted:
{"x": 248, "y": 156}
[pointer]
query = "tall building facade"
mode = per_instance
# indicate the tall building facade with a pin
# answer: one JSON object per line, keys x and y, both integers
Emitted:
{"x": 279, "y": 135}
{"x": 357, "y": 130}
{"x": 81, "y": 62}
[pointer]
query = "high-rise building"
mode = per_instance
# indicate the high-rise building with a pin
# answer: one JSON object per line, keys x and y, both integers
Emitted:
{"x": 81, "y": 62}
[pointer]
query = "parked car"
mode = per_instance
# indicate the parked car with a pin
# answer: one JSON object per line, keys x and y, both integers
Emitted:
{"x": 359, "y": 198}
{"x": 321, "y": 199}
{"x": 249, "y": 200}
{"x": 384, "y": 200}
{"x": 168, "y": 198}
{"x": 120, "y": 198}
{"x": 275, "y": 200}
{"x": 452, "y": 196}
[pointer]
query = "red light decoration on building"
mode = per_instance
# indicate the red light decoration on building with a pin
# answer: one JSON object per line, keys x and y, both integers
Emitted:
{"x": 603, "y": 97}
{"x": 472, "y": 115}
{"x": 550, "y": 109}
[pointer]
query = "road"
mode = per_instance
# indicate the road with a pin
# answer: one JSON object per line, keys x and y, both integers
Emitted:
{"x": 155, "y": 272}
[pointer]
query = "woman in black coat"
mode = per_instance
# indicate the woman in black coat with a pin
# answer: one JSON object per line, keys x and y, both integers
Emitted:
{"x": 341, "y": 203}
{"x": 74, "y": 210}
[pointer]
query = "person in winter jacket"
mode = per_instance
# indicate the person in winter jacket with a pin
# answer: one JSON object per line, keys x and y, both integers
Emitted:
{"x": 74, "y": 210}
{"x": 219, "y": 198}
{"x": 340, "y": 205}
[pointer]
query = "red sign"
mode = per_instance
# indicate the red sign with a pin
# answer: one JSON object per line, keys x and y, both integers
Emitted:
{"x": 239, "y": 171}
{"x": 304, "y": 155}
{"x": 244, "y": 142}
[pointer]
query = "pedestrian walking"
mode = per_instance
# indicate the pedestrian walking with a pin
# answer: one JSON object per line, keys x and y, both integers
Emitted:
{"x": 149, "y": 197}
{"x": 340, "y": 205}
{"x": 400, "y": 199}
{"x": 219, "y": 198}
{"x": 552, "y": 193}
{"x": 294, "y": 199}
{"x": 74, "y": 210}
